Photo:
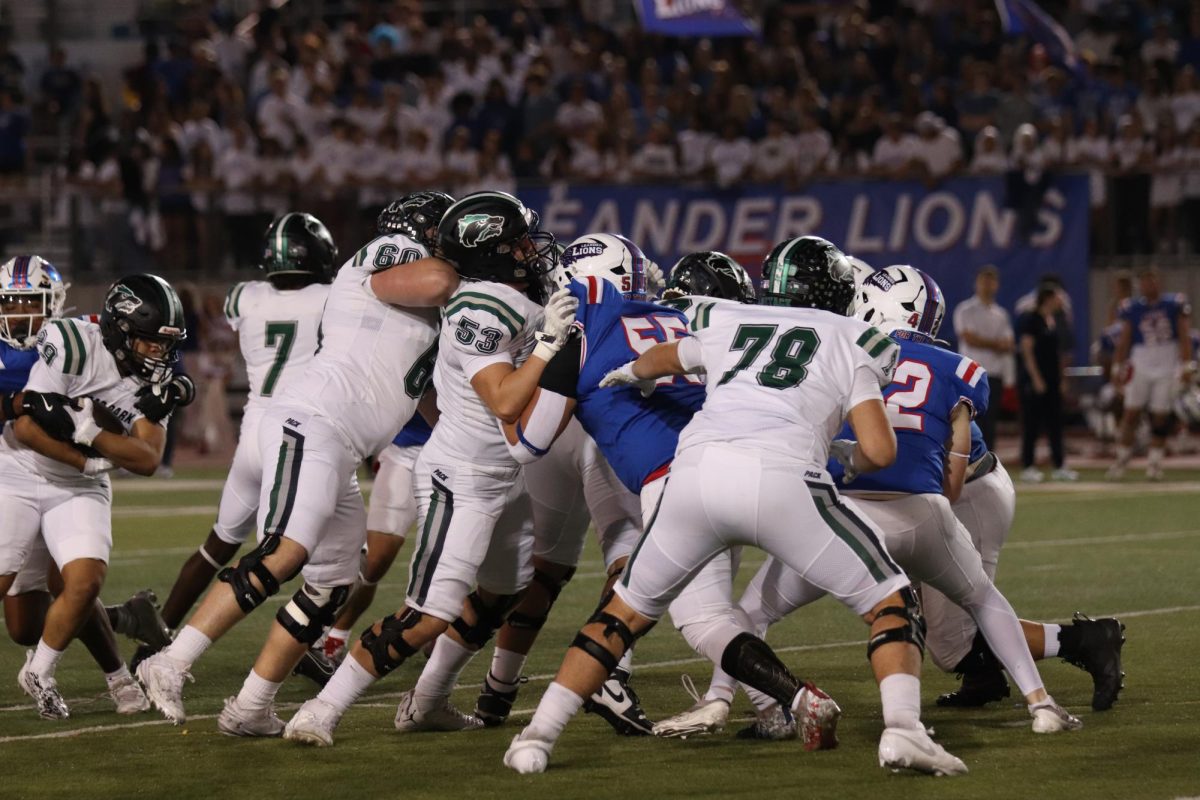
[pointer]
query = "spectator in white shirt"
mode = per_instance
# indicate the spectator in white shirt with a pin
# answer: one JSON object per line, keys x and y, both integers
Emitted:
{"x": 1054, "y": 146}
{"x": 494, "y": 172}
{"x": 237, "y": 171}
{"x": 775, "y": 155}
{"x": 695, "y": 148}
{"x": 1185, "y": 102}
{"x": 1166, "y": 187}
{"x": 313, "y": 118}
{"x": 731, "y": 155}
{"x": 894, "y": 151}
{"x": 365, "y": 114}
{"x": 276, "y": 111}
{"x": 813, "y": 146}
{"x": 423, "y": 159}
{"x": 460, "y": 161}
{"x": 655, "y": 160}
{"x": 1160, "y": 48}
{"x": 587, "y": 161}
{"x": 304, "y": 167}
{"x": 578, "y": 114}
{"x": 989, "y": 157}
{"x": 985, "y": 334}
{"x": 936, "y": 149}
{"x": 1091, "y": 150}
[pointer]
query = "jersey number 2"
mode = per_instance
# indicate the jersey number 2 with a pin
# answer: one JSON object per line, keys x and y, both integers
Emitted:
{"x": 280, "y": 335}
{"x": 914, "y": 380}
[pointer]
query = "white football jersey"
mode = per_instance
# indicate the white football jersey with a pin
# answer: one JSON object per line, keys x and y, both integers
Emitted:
{"x": 73, "y": 361}
{"x": 373, "y": 359}
{"x": 781, "y": 379}
{"x": 277, "y": 332}
{"x": 485, "y": 323}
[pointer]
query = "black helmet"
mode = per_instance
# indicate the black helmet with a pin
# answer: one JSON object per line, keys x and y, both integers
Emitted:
{"x": 709, "y": 274}
{"x": 299, "y": 243}
{"x": 808, "y": 272}
{"x": 142, "y": 307}
{"x": 479, "y": 232}
{"x": 414, "y": 214}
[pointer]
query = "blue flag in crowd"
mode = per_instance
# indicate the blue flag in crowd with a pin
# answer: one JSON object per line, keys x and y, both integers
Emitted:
{"x": 694, "y": 18}
{"x": 1026, "y": 18}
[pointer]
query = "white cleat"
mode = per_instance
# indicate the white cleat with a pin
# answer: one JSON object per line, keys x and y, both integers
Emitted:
{"x": 1154, "y": 473}
{"x": 44, "y": 691}
{"x": 528, "y": 755}
{"x": 127, "y": 695}
{"x": 905, "y": 748}
{"x": 1115, "y": 473}
{"x": 238, "y": 721}
{"x": 410, "y": 717}
{"x": 705, "y": 716}
{"x": 313, "y": 724}
{"x": 163, "y": 678}
{"x": 1032, "y": 475}
{"x": 1064, "y": 474}
{"x": 1050, "y": 717}
{"x": 817, "y": 716}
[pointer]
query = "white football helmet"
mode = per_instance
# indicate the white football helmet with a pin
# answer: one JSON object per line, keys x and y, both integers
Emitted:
{"x": 31, "y": 292}
{"x": 862, "y": 270}
{"x": 1187, "y": 407}
{"x": 610, "y": 257}
{"x": 902, "y": 298}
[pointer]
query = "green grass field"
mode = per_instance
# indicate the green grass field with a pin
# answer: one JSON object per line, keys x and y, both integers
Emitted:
{"x": 1130, "y": 550}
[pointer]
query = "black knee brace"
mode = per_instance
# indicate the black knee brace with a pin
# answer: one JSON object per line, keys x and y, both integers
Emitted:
{"x": 611, "y": 625}
{"x": 913, "y": 632}
{"x": 488, "y": 618}
{"x": 311, "y": 609}
{"x": 1164, "y": 429}
{"x": 389, "y": 638}
{"x": 554, "y": 587}
{"x": 238, "y": 576}
{"x": 750, "y": 660}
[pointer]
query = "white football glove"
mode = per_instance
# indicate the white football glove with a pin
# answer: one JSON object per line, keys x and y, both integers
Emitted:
{"x": 559, "y": 314}
{"x": 623, "y": 376}
{"x": 655, "y": 280}
{"x": 96, "y": 466}
{"x": 86, "y": 428}
{"x": 842, "y": 451}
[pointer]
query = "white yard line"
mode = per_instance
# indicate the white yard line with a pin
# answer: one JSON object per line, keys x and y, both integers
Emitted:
{"x": 373, "y": 700}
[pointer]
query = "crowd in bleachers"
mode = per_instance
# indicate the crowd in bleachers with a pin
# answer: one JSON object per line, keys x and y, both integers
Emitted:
{"x": 235, "y": 119}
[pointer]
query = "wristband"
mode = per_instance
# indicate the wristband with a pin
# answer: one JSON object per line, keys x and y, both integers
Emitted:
{"x": 960, "y": 455}
{"x": 547, "y": 346}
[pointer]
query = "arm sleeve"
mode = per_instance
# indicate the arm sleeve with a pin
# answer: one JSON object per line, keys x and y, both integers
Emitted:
{"x": 691, "y": 354}
{"x": 232, "y": 305}
{"x": 865, "y": 386}
{"x": 561, "y": 375}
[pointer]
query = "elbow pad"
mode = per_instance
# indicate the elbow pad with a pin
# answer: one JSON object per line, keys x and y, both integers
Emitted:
{"x": 535, "y": 438}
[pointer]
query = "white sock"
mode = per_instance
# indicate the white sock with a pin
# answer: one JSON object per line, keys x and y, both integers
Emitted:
{"x": 626, "y": 662}
{"x": 338, "y": 633}
{"x": 1156, "y": 456}
{"x": 1123, "y": 454}
{"x": 1051, "y": 634}
{"x": 721, "y": 687}
{"x": 506, "y": 669}
{"x": 118, "y": 674}
{"x": 45, "y": 659}
{"x": 346, "y": 685}
{"x": 554, "y": 711}
{"x": 441, "y": 672}
{"x": 900, "y": 695}
{"x": 188, "y": 646}
{"x": 257, "y": 692}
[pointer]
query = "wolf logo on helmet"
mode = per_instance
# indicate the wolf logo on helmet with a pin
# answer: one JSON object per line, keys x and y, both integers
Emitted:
{"x": 476, "y": 228}
{"x": 127, "y": 301}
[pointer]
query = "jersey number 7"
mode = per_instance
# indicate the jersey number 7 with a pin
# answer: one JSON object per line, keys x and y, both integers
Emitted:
{"x": 280, "y": 335}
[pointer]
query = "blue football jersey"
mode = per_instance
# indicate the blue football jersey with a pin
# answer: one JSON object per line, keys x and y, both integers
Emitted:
{"x": 414, "y": 434}
{"x": 928, "y": 383}
{"x": 636, "y": 434}
{"x": 1157, "y": 322}
{"x": 14, "y": 367}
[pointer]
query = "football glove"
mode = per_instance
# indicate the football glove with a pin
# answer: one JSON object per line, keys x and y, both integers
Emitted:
{"x": 96, "y": 466}
{"x": 559, "y": 314}
{"x": 159, "y": 400}
{"x": 623, "y": 376}
{"x": 842, "y": 451}
{"x": 655, "y": 280}
{"x": 86, "y": 429}
{"x": 49, "y": 411}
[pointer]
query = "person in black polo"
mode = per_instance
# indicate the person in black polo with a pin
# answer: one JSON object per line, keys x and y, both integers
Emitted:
{"x": 1039, "y": 380}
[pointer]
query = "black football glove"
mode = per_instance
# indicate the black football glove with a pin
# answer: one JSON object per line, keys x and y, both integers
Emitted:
{"x": 157, "y": 401}
{"x": 50, "y": 411}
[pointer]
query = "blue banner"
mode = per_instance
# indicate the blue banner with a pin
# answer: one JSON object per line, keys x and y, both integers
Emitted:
{"x": 1026, "y": 18}
{"x": 950, "y": 231}
{"x": 694, "y": 18}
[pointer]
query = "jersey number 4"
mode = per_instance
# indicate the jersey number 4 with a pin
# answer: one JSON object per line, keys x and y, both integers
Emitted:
{"x": 912, "y": 380}
{"x": 790, "y": 356}
{"x": 280, "y": 335}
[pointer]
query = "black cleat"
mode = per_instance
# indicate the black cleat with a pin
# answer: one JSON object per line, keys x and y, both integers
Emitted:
{"x": 315, "y": 666}
{"x": 141, "y": 620}
{"x": 618, "y": 704}
{"x": 1094, "y": 645}
{"x": 494, "y": 705}
{"x": 978, "y": 689}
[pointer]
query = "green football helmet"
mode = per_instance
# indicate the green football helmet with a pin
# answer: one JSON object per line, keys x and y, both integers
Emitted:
{"x": 808, "y": 272}
{"x": 299, "y": 243}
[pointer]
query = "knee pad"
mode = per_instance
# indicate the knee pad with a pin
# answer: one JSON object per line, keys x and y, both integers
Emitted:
{"x": 554, "y": 587}
{"x": 750, "y": 660}
{"x": 488, "y": 618}
{"x": 913, "y": 632}
{"x": 238, "y": 576}
{"x": 311, "y": 610}
{"x": 390, "y": 637}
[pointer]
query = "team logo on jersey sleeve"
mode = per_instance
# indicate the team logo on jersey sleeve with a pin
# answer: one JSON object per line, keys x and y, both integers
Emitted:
{"x": 474, "y": 229}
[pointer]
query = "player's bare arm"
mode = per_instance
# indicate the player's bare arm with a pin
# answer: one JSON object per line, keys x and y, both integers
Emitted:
{"x": 1120, "y": 355}
{"x": 507, "y": 390}
{"x": 33, "y": 436}
{"x": 876, "y": 441}
{"x": 1184, "y": 335}
{"x": 140, "y": 451}
{"x": 539, "y": 425}
{"x": 958, "y": 452}
{"x": 424, "y": 283}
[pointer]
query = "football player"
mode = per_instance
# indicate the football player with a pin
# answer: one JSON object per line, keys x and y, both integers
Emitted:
{"x": 277, "y": 321}
{"x": 1154, "y": 355}
{"x": 473, "y": 557}
{"x": 376, "y": 345}
{"x": 55, "y": 457}
{"x": 803, "y": 366}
